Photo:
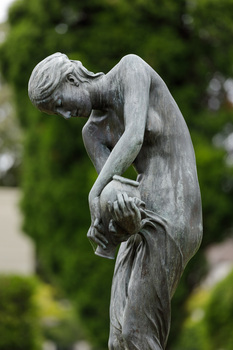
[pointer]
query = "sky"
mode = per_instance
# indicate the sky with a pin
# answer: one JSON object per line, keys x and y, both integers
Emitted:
{"x": 4, "y": 4}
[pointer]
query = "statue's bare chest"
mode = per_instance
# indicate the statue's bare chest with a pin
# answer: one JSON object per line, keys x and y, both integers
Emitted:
{"x": 111, "y": 127}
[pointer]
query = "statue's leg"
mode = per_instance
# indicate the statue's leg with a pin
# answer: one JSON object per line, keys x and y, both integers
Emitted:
{"x": 146, "y": 270}
{"x": 120, "y": 281}
{"x": 138, "y": 335}
{"x": 146, "y": 317}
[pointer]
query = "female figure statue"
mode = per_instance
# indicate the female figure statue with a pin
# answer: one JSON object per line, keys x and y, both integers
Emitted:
{"x": 133, "y": 119}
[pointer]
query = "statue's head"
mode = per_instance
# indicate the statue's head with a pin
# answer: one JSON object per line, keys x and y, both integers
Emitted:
{"x": 46, "y": 84}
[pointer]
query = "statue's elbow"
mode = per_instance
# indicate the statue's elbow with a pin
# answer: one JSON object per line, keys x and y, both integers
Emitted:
{"x": 138, "y": 141}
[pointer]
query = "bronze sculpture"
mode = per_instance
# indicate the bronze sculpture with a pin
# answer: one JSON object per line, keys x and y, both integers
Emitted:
{"x": 157, "y": 220}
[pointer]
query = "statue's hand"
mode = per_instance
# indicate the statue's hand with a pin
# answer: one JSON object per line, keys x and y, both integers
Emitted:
{"x": 96, "y": 234}
{"x": 126, "y": 213}
{"x": 96, "y": 231}
{"x": 118, "y": 233}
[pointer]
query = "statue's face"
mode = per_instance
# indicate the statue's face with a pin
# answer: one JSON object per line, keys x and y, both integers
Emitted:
{"x": 69, "y": 101}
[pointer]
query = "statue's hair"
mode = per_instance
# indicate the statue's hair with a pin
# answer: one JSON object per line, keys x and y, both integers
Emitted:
{"x": 49, "y": 73}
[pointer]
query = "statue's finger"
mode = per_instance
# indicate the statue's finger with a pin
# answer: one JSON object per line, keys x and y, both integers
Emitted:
{"x": 101, "y": 239}
{"x": 96, "y": 222}
{"x": 137, "y": 212}
{"x": 99, "y": 242}
{"x": 121, "y": 202}
{"x": 125, "y": 197}
{"x": 135, "y": 208}
{"x": 117, "y": 211}
{"x": 89, "y": 233}
{"x": 95, "y": 236}
{"x": 128, "y": 204}
{"x": 139, "y": 202}
{"x": 110, "y": 208}
{"x": 112, "y": 227}
{"x": 98, "y": 225}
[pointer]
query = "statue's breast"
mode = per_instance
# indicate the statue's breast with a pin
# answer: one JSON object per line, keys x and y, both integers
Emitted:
{"x": 114, "y": 128}
{"x": 154, "y": 126}
{"x": 108, "y": 125}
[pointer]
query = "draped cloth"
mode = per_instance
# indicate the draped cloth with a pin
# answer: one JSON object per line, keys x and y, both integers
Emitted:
{"x": 148, "y": 268}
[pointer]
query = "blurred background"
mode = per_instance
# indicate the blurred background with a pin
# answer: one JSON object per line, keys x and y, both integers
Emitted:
{"x": 54, "y": 292}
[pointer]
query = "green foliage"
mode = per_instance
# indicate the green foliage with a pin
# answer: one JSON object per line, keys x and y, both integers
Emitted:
{"x": 186, "y": 42}
{"x": 208, "y": 324}
{"x": 219, "y": 311}
{"x": 194, "y": 335}
{"x": 197, "y": 268}
{"x": 19, "y": 326}
{"x": 57, "y": 317}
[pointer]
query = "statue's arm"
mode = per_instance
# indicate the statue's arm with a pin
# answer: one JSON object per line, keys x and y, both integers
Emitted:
{"x": 136, "y": 85}
{"x": 135, "y": 80}
{"x": 95, "y": 145}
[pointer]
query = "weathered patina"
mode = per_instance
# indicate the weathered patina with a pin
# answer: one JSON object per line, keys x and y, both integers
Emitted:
{"x": 157, "y": 220}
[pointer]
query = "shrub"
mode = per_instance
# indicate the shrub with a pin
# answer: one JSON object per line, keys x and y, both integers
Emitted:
{"x": 219, "y": 315}
{"x": 193, "y": 335}
{"x": 19, "y": 325}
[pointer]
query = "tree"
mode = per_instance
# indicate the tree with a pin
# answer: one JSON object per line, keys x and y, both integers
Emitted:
{"x": 189, "y": 45}
{"x": 10, "y": 135}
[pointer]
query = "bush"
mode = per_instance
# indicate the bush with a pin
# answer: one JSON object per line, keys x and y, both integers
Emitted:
{"x": 193, "y": 335}
{"x": 209, "y": 321}
{"x": 57, "y": 316}
{"x": 19, "y": 325}
{"x": 219, "y": 315}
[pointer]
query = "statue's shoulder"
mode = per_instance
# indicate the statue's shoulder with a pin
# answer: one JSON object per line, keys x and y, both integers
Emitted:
{"x": 132, "y": 59}
{"x": 131, "y": 63}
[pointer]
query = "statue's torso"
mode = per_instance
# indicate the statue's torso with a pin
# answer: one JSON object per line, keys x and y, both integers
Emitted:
{"x": 166, "y": 162}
